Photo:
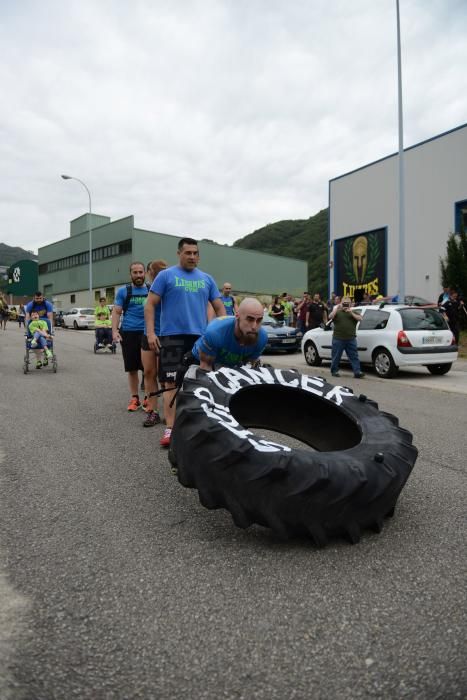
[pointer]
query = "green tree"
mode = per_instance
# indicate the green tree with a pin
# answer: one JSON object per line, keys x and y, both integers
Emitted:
{"x": 454, "y": 266}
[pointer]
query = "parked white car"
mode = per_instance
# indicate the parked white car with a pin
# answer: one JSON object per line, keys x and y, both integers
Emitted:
{"x": 79, "y": 318}
{"x": 392, "y": 336}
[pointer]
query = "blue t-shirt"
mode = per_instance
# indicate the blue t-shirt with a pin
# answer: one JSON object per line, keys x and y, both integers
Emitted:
{"x": 219, "y": 342}
{"x": 185, "y": 295}
{"x": 42, "y": 307}
{"x": 229, "y": 305}
{"x": 133, "y": 318}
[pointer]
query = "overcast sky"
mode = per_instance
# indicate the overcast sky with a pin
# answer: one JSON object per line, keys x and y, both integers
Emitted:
{"x": 211, "y": 118}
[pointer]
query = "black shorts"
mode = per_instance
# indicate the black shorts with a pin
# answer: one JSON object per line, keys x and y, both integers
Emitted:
{"x": 145, "y": 345}
{"x": 131, "y": 350}
{"x": 173, "y": 348}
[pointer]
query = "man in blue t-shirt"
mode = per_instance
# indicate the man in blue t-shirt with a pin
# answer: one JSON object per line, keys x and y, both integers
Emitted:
{"x": 233, "y": 342}
{"x": 184, "y": 292}
{"x": 43, "y": 307}
{"x": 228, "y": 300}
{"x": 129, "y": 302}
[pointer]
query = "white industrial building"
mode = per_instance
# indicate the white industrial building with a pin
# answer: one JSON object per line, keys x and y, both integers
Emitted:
{"x": 364, "y": 218}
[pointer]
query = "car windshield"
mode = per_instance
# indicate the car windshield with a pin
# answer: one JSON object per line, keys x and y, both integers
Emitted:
{"x": 422, "y": 320}
{"x": 87, "y": 312}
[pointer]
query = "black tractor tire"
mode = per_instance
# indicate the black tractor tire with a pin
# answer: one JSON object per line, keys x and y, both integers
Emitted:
{"x": 384, "y": 365}
{"x": 440, "y": 369}
{"x": 352, "y": 480}
{"x": 311, "y": 354}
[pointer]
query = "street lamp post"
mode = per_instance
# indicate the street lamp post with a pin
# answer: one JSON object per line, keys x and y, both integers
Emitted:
{"x": 69, "y": 177}
{"x": 401, "y": 164}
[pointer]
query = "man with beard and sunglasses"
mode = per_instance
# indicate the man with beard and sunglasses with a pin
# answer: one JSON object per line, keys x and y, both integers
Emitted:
{"x": 233, "y": 341}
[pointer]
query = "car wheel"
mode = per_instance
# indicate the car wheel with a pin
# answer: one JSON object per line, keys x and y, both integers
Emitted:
{"x": 350, "y": 479}
{"x": 440, "y": 369}
{"x": 312, "y": 357}
{"x": 75, "y": 325}
{"x": 383, "y": 363}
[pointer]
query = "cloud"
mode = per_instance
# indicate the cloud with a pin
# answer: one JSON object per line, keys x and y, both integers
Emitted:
{"x": 210, "y": 118}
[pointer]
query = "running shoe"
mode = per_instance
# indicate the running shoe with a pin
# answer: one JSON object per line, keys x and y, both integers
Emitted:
{"x": 45, "y": 361}
{"x": 134, "y": 403}
{"x": 165, "y": 439}
{"x": 152, "y": 418}
{"x": 48, "y": 353}
{"x": 145, "y": 405}
{"x": 38, "y": 364}
{"x": 34, "y": 343}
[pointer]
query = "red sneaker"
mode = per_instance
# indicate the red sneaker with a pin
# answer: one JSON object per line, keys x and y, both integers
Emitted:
{"x": 165, "y": 439}
{"x": 134, "y": 403}
{"x": 145, "y": 404}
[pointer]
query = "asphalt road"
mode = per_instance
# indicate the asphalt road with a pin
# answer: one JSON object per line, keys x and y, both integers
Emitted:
{"x": 116, "y": 583}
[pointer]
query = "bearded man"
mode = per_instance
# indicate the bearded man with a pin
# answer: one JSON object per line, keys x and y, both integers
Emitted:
{"x": 233, "y": 341}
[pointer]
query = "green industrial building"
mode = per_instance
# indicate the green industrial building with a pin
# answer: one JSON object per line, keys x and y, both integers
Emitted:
{"x": 64, "y": 265}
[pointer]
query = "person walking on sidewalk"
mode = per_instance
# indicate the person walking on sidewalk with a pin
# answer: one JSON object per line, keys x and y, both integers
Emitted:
{"x": 344, "y": 337}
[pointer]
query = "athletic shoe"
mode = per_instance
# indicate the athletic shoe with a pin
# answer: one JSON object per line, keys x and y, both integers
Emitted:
{"x": 38, "y": 364}
{"x": 45, "y": 361}
{"x": 145, "y": 405}
{"x": 100, "y": 345}
{"x": 48, "y": 353}
{"x": 134, "y": 403}
{"x": 34, "y": 343}
{"x": 165, "y": 439}
{"x": 152, "y": 418}
{"x": 336, "y": 374}
{"x": 359, "y": 375}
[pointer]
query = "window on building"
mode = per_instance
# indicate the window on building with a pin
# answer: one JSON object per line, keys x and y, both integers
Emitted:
{"x": 109, "y": 294}
{"x": 72, "y": 298}
{"x": 461, "y": 216}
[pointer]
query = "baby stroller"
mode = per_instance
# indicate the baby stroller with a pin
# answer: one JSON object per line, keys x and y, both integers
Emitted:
{"x": 103, "y": 341}
{"x": 50, "y": 361}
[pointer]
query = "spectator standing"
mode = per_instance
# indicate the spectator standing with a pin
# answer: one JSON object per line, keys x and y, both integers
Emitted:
{"x": 452, "y": 308}
{"x": 316, "y": 313}
{"x": 287, "y": 304}
{"x": 276, "y": 310}
{"x": 344, "y": 337}
{"x": 3, "y": 312}
{"x": 229, "y": 301}
{"x": 302, "y": 310}
{"x": 331, "y": 302}
{"x": 21, "y": 315}
{"x": 149, "y": 357}
{"x": 444, "y": 296}
{"x": 128, "y": 313}
{"x": 185, "y": 293}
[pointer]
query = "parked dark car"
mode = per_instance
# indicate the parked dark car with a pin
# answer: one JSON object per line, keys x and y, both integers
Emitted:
{"x": 281, "y": 337}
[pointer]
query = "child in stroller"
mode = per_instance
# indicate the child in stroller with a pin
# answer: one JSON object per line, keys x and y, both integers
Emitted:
{"x": 103, "y": 328}
{"x": 39, "y": 339}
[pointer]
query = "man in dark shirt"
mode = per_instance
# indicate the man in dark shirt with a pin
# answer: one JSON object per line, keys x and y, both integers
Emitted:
{"x": 452, "y": 308}
{"x": 316, "y": 314}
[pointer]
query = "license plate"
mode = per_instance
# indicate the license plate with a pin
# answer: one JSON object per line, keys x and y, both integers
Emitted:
{"x": 289, "y": 340}
{"x": 431, "y": 340}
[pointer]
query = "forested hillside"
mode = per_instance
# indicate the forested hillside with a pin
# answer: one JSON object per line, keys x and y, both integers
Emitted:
{"x": 11, "y": 254}
{"x": 306, "y": 239}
